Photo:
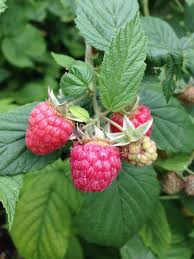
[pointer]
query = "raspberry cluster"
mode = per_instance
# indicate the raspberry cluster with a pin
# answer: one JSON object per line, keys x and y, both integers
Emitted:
{"x": 95, "y": 162}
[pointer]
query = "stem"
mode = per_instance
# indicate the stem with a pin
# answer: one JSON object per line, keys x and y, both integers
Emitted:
{"x": 181, "y": 8}
{"x": 146, "y": 10}
{"x": 89, "y": 60}
{"x": 114, "y": 124}
{"x": 167, "y": 197}
{"x": 189, "y": 171}
{"x": 88, "y": 55}
{"x": 77, "y": 100}
{"x": 96, "y": 108}
{"x": 89, "y": 124}
{"x": 135, "y": 106}
{"x": 103, "y": 114}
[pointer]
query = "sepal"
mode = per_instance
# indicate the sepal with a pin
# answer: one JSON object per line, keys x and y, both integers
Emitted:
{"x": 129, "y": 133}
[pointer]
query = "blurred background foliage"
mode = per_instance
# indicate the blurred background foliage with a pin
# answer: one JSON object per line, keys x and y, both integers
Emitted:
{"x": 30, "y": 30}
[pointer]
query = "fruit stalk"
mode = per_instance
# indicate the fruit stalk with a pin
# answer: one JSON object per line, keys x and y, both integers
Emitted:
{"x": 88, "y": 55}
{"x": 114, "y": 124}
{"x": 89, "y": 60}
{"x": 145, "y": 4}
{"x": 77, "y": 100}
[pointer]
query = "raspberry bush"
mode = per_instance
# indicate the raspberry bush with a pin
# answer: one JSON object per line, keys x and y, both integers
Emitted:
{"x": 96, "y": 151}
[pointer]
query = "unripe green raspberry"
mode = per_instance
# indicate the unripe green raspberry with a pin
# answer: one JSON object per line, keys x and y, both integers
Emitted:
{"x": 172, "y": 183}
{"x": 140, "y": 153}
{"x": 189, "y": 185}
{"x": 188, "y": 95}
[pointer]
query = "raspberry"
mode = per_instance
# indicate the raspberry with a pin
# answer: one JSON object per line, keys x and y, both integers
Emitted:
{"x": 140, "y": 153}
{"x": 189, "y": 185}
{"x": 48, "y": 130}
{"x": 94, "y": 165}
{"x": 188, "y": 95}
{"x": 138, "y": 117}
{"x": 172, "y": 184}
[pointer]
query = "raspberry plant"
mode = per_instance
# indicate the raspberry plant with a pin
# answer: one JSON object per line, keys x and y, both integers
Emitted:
{"x": 105, "y": 161}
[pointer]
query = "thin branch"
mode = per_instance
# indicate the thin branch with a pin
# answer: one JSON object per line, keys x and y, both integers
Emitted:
{"x": 88, "y": 55}
{"x": 145, "y": 4}
{"x": 169, "y": 197}
{"x": 89, "y": 60}
{"x": 114, "y": 124}
{"x": 189, "y": 171}
{"x": 96, "y": 108}
{"x": 77, "y": 100}
{"x": 181, "y": 8}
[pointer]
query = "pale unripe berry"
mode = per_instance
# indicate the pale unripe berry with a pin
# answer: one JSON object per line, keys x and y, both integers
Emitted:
{"x": 140, "y": 153}
{"x": 189, "y": 185}
{"x": 188, "y": 95}
{"x": 172, "y": 183}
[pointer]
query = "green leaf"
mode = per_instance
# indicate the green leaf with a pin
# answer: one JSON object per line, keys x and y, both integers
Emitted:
{"x": 7, "y": 104}
{"x": 189, "y": 20}
{"x": 176, "y": 163}
{"x": 4, "y": 74}
{"x": 169, "y": 76}
{"x": 189, "y": 2}
{"x": 77, "y": 81}
{"x": 73, "y": 41}
{"x": 69, "y": 10}
{"x": 162, "y": 40}
{"x": 181, "y": 250}
{"x": 43, "y": 212}
{"x": 156, "y": 234}
{"x": 123, "y": 67}
{"x": 9, "y": 193}
{"x": 35, "y": 90}
{"x": 180, "y": 226}
{"x": 63, "y": 60}
{"x": 35, "y": 10}
{"x": 74, "y": 250}
{"x": 188, "y": 202}
{"x": 73, "y": 197}
{"x": 187, "y": 45}
{"x": 3, "y": 6}
{"x": 8, "y": 27}
{"x": 173, "y": 129}
{"x": 135, "y": 249}
{"x": 98, "y": 21}
{"x": 110, "y": 218}
{"x": 15, "y": 157}
{"x": 164, "y": 49}
{"x": 65, "y": 9}
{"x": 79, "y": 113}
{"x": 25, "y": 48}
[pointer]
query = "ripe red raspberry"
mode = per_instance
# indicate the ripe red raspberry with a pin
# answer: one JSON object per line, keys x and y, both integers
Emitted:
{"x": 94, "y": 165}
{"x": 48, "y": 130}
{"x": 138, "y": 117}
